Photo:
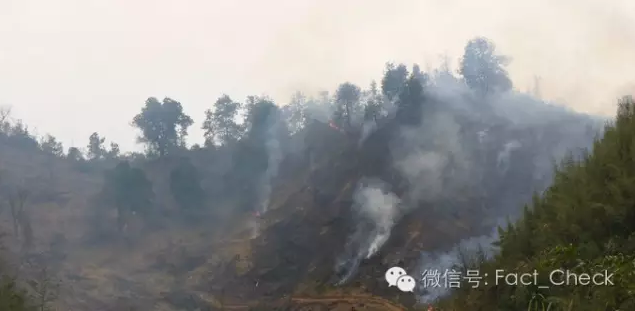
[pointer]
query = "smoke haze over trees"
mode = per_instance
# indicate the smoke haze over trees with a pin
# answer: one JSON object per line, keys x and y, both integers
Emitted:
{"x": 332, "y": 189}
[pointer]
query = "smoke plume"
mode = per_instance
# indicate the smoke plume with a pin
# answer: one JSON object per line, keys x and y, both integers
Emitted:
{"x": 376, "y": 209}
{"x": 461, "y": 257}
{"x": 274, "y": 157}
{"x": 494, "y": 144}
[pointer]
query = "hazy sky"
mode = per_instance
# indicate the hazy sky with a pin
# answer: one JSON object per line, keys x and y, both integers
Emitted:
{"x": 72, "y": 67}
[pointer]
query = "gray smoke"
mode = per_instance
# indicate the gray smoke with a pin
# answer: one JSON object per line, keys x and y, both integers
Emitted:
{"x": 320, "y": 108}
{"x": 427, "y": 155}
{"x": 274, "y": 157}
{"x": 461, "y": 257}
{"x": 368, "y": 127}
{"x": 377, "y": 210}
{"x": 442, "y": 158}
{"x": 381, "y": 207}
{"x": 498, "y": 145}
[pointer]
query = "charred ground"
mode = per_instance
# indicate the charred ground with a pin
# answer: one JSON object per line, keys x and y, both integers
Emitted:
{"x": 267, "y": 214}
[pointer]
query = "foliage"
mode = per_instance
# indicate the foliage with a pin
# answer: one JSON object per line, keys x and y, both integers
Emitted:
{"x": 95, "y": 146}
{"x": 128, "y": 190}
{"x": 74, "y": 154}
{"x": 394, "y": 80}
{"x": 483, "y": 69}
{"x": 373, "y": 108}
{"x": 50, "y": 145}
{"x": 347, "y": 103}
{"x": 262, "y": 113}
{"x": 185, "y": 185}
{"x": 114, "y": 151}
{"x": 220, "y": 124}
{"x": 13, "y": 298}
{"x": 410, "y": 102}
{"x": 296, "y": 113}
{"x": 583, "y": 223}
{"x": 163, "y": 125}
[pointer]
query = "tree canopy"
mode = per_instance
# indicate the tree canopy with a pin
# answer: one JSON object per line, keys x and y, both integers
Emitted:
{"x": 128, "y": 189}
{"x": 483, "y": 69}
{"x": 163, "y": 125}
{"x": 220, "y": 124}
{"x": 185, "y": 185}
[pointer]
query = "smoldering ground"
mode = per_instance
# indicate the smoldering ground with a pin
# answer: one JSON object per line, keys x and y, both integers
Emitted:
{"x": 501, "y": 146}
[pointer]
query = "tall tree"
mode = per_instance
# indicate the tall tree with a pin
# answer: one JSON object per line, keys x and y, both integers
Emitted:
{"x": 420, "y": 75}
{"x": 74, "y": 154}
{"x": 163, "y": 125}
{"x": 296, "y": 112}
{"x": 374, "y": 105}
{"x": 185, "y": 185}
{"x": 128, "y": 190}
{"x": 410, "y": 103}
{"x": 96, "y": 148}
{"x": 114, "y": 151}
{"x": 262, "y": 113}
{"x": 50, "y": 145}
{"x": 394, "y": 80}
{"x": 220, "y": 124}
{"x": 346, "y": 100}
{"x": 483, "y": 69}
{"x": 260, "y": 151}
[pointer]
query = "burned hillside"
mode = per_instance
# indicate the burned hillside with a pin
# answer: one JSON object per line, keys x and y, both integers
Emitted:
{"x": 303, "y": 203}
{"x": 478, "y": 186}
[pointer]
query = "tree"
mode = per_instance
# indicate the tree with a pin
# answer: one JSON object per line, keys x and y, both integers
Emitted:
{"x": 394, "y": 80}
{"x": 163, "y": 125}
{"x": 5, "y": 115}
{"x": 74, "y": 154}
{"x": 185, "y": 185}
{"x": 483, "y": 69}
{"x": 594, "y": 196}
{"x": 114, "y": 151}
{"x": 128, "y": 190}
{"x": 21, "y": 136}
{"x": 410, "y": 103}
{"x": 220, "y": 124}
{"x": 50, "y": 145}
{"x": 21, "y": 220}
{"x": 96, "y": 148}
{"x": 346, "y": 100}
{"x": 262, "y": 113}
{"x": 296, "y": 112}
{"x": 374, "y": 106}
{"x": 421, "y": 76}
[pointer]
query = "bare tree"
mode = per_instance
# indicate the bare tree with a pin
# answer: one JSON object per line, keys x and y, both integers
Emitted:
{"x": 45, "y": 289}
{"x": 21, "y": 220}
{"x": 27, "y": 231}
{"x": 5, "y": 115}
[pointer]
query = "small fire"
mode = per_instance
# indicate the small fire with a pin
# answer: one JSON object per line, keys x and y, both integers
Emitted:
{"x": 332, "y": 125}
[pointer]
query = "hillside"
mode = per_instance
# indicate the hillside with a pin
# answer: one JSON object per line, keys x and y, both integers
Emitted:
{"x": 581, "y": 224}
{"x": 307, "y": 205}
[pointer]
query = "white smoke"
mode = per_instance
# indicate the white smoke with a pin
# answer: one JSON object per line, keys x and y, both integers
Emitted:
{"x": 462, "y": 137}
{"x": 427, "y": 155}
{"x": 382, "y": 208}
{"x": 368, "y": 127}
{"x": 274, "y": 157}
{"x": 460, "y": 257}
{"x": 377, "y": 210}
{"x": 502, "y": 160}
